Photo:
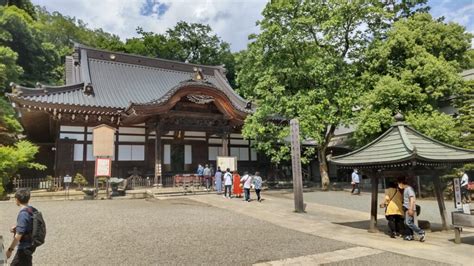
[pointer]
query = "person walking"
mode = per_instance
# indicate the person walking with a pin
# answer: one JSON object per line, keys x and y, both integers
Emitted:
{"x": 22, "y": 231}
{"x": 464, "y": 187}
{"x": 200, "y": 174}
{"x": 247, "y": 180}
{"x": 227, "y": 184}
{"x": 409, "y": 206}
{"x": 257, "y": 182}
{"x": 207, "y": 176}
{"x": 355, "y": 182}
{"x": 393, "y": 204}
{"x": 218, "y": 180}
{"x": 237, "y": 188}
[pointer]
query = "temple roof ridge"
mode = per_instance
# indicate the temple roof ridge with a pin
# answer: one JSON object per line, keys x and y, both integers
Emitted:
{"x": 116, "y": 56}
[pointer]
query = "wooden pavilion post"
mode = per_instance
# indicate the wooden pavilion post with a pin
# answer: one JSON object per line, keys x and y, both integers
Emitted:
{"x": 158, "y": 152}
{"x": 440, "y": 199}
{"x": 225, "y": 144}
{"x": 373, "y": 202}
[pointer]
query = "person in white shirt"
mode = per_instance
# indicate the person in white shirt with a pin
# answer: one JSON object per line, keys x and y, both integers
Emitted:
{"x": 464, "y": 187}
{"x": 355, "y": 182}
{"x": 247, "y": 180}
{"x": 227, "y": 183}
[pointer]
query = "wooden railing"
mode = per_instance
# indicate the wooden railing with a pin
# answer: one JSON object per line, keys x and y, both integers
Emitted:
{"x": 38, "y": 183}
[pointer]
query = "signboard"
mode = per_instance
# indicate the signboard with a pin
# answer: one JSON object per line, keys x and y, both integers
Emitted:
{"x": 225, "y": 162}
{"x": 103, "y": 167}
{"x": 103, "y": 138}
{"x": 457, "y": 194}
{"x": 67, "y": 179}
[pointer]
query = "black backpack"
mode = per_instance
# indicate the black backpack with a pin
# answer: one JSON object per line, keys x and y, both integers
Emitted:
{"x": 38, "y": 234}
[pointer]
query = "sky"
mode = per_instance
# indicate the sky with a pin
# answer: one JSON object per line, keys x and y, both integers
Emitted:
{"x": 232, "y": 20}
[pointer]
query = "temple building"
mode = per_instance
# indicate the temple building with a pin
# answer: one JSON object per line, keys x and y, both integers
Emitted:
{"x": 169, "y": 116}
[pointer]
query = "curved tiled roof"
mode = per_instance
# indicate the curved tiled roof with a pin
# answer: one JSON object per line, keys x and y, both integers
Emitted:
{"x": 400, "y": 145}
{"x": 121, "y": 79}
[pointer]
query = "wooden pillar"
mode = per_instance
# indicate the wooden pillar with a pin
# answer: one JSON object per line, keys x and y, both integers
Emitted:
{"x": 158, "y": 152}
{"x": 440, "y": 198}
{"x": 116, "y": 153}
{"x": 84, "y": 153}
{"x": 225, "y": 144}
{"x": 373, "y": 203}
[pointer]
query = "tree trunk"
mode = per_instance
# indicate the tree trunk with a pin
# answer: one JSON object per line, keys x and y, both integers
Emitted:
{"x": 323, "y": 169}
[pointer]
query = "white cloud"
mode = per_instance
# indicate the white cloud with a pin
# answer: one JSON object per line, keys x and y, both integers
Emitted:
{"x": 232, "y": 20}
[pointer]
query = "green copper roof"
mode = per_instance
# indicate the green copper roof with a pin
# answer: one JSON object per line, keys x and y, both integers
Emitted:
{"x": 403, "y": 145}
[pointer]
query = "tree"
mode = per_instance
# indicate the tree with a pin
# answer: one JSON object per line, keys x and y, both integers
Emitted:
{"x": 9, "y": 126}
{"x": 25, "y": 5}
{"x": 13, "y": 158}
{"x": 37, "y": 58}
{"x": 305, "y": 64}
{"x": 185, "y": 42}
{"x": 465, "y": 121}
{"x": 413, "y": 71}
{"x": 9, "y": 70}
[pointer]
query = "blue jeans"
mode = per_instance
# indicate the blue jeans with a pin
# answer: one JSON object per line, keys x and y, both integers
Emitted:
{"x": 228, "y": 188}
{"x": 411, "y": 226}
{"x": 247, "y": 194}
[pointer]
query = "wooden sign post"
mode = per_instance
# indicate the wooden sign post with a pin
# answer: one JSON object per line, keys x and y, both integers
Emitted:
{"x": 103, "y": 138}
{"x": 296, "y": 165}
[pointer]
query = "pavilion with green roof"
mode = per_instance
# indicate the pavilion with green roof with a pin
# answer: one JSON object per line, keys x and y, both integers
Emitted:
{"x": 402, "y": 150}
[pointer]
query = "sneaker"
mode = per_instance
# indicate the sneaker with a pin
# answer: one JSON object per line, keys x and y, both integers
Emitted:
{"x": 422, "y": 237}
{"x": 408, "y": 238}
{"x": 393, "y": 235}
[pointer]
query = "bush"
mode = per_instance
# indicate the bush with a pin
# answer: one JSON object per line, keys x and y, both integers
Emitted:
{"x": 80, "y": 180}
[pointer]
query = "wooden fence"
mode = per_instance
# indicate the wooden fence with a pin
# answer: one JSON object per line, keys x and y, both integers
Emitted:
{"x": 57, "y": 183}
{"x": 38, "y": 183}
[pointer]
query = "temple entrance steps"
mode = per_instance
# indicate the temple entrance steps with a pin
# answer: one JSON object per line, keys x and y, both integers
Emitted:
{"x": 167, "y": 192}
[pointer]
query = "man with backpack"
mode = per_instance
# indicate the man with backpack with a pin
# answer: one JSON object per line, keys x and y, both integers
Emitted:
{"x": 29, "y": 231}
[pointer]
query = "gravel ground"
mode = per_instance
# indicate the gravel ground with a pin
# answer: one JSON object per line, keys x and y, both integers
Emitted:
{"x": 386, "y": 258}
{"x": 343, "y": 199}
{"x": 170, "y": 232}
{"x": 176, "y": 231}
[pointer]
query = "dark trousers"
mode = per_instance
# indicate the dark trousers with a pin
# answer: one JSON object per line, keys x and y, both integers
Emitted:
{"x": 228, "y": 188}
{"x": 22, "y": 257}
{"x": 395, "y": 223}
{"x": 247, "y": 194}
{"x": 465, "y": 195}
{"x": 258, "y": 193}
{"x": 355, "y": 187}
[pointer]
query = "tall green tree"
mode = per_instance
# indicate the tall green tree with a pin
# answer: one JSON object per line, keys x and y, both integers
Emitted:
{"x": 36, "y": 57}
{"x": 415, "y": 70}
{"x": 465, "y": 121}
{"x": 305, "y": 64}
{"x": 185, "y": 42}
{"x": 25, "y": 5}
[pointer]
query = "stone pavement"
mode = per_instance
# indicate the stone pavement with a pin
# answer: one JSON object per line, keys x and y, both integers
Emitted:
{"x": 348, "y": 226}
